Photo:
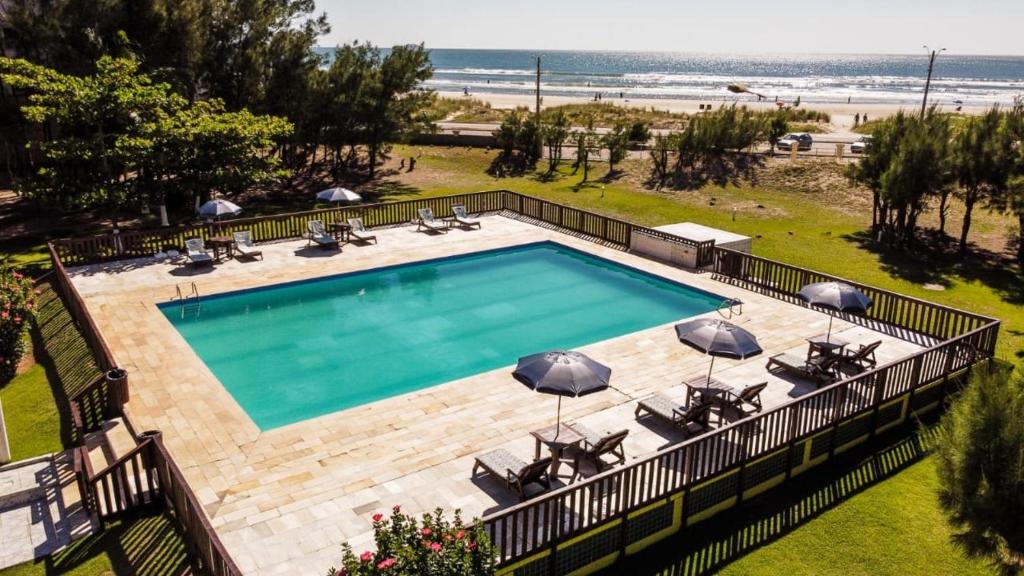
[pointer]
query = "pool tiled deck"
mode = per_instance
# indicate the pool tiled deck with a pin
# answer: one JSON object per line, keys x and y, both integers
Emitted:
{"x": 283, "y": 501}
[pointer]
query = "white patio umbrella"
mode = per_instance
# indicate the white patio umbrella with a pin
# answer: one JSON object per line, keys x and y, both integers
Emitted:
{"x": 338, "y": 195}
{"x": 219, "y": 208}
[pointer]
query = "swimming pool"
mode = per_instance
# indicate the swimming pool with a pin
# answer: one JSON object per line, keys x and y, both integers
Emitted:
{"x": 294, "y": 351}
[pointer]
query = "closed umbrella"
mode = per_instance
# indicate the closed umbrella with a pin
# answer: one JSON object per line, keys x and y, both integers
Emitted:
{"x": 716, "y": 338}
{"x": 837, "y": 296}
{"x": 219, "y": 208}
{"x": 338, "y": 195}
{"x": 562, "y": 373}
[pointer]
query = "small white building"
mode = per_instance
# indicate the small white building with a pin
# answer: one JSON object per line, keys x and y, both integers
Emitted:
{"x": 665, "y": 249}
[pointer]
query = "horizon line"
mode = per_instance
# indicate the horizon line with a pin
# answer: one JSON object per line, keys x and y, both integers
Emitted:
{"x": 694, "y": 52}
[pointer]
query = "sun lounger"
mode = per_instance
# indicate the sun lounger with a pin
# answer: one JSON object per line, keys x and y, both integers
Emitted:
{"x": 516, "y": 473}
{"x": 319, "y": 235}
{"x": 195, "y": 249}
{"x": 244, "y": 246}
{"x": 748, "y": 399}
{"x": 676, "y": 414}
{"x": 596, "y": 446}
{"x": 429, "y": 223}
{"x": 463, "y": 219}
{"x": 821, "y": 369}
{"x": 359, "y": 232}
{"x": 864, "y": 358}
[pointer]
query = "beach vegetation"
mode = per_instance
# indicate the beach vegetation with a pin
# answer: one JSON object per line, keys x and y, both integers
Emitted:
{"x": 984, "y": 162}
{"x": 980, "y": 453}
{"x": 517, "y": 138}
{"x": 616, "y": 142}
{"x": 909, "y": 163}
{"x": 587, "y": 143}
{"x": 554, "y": 134}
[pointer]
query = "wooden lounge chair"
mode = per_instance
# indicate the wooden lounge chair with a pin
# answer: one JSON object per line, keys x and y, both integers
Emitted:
{"x": 196, "y": 251}
{"x": 821, "y": 369}
{"x": 595, "y": 446}
{"x": 429, "y": 223}
{"x": 863, "y": 359}
{"x": 319, "y": 235}
{"x": 244, "y": 246}
{"x": 676, "y": 414}
{"x": 748, "y": 397}
{"x": 463, "y": 219}
{"x": 359, "y": 232}
{"x": 516, "y": 473}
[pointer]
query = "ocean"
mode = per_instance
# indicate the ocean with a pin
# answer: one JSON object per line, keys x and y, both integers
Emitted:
{"x": 826, "y": 78}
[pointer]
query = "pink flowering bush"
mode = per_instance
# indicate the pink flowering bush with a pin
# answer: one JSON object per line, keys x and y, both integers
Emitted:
{"x": 16, "y": 310}
{"x": 432, "y": 546}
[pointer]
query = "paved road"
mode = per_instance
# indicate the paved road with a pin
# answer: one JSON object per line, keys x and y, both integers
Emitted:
{"x": 824, "y": 144}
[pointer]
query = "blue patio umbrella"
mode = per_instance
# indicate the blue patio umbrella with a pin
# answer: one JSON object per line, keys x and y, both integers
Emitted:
{"x": 562, "y": 373}
{"x": 338, "y": 195}
{"x": 219, "y": 208}
{"x": 837, "y": 296}
{"x": 716, "y": 338}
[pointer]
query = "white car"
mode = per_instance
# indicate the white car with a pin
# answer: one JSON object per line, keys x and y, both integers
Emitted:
{"x": 861, "y": 145}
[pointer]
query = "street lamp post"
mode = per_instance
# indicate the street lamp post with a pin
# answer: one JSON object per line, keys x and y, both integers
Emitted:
{"x": 928, "y": 83}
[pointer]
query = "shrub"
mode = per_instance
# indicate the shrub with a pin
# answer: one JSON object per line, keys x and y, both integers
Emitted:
{"x": 434, "y": 546}
{"x": 16, "y": 304}
{"x": 980, "y": 448}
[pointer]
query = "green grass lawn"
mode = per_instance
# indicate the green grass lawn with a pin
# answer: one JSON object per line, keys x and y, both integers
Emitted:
{"x": 144, "y": 545}
{"x": 871, "y": 512}
{"x": 810, "y": 226}
{"x": 30, "y": 412}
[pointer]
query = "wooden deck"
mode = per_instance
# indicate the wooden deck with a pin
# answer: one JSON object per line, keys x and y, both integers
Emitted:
{"x": 283, "y": 501}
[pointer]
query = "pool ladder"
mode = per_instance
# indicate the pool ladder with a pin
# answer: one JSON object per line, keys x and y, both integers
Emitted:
{"x": 190, "y": 304}
{"x": 730, "y": 307}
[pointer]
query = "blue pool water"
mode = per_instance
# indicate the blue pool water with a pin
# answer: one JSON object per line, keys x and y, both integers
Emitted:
{"x": 295, "y": 351}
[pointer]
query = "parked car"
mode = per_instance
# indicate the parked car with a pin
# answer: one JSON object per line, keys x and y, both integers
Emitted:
{"x": 861, "y": 145}
{"x": 802, "y": 139}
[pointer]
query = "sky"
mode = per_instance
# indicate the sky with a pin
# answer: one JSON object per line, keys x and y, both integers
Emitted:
{"x": 732, "y": 26}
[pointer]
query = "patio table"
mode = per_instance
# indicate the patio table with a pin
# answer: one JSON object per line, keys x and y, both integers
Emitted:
{"x": 557, "y": 444}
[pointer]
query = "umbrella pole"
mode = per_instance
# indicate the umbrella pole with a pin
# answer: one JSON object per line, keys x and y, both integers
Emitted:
{"x": 707, "y": 383}
{"x": 558, "y": 417}
{"x": 829, "y": 334}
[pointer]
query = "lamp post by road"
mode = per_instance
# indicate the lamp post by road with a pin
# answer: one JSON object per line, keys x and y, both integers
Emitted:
{"x": 928, "y": 83}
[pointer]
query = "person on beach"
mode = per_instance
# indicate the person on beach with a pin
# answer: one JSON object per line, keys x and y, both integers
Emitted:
{"x": 402, "y": 165}
{"x": 412, "y": 163}
{"x": 856, "y": 119}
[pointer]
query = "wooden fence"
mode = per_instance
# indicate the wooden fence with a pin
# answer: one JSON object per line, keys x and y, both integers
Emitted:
{"x": 147, "y": 475}
{"x": 588, "y": 524}
{"x": 142, "y": 243}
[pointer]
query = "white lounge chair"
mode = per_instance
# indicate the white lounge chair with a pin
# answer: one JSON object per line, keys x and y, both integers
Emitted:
{"x": 244, "y": 245}
{"x": 319, "y": 235}
{"x": 358, "y": 231}
{"x": 428, "y": 222}
{"x": 463, "y": 219}
{"x": 195, "y": 249}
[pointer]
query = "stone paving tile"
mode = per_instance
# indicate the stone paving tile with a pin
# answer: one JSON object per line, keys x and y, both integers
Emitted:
{"x": 285, "y": 499}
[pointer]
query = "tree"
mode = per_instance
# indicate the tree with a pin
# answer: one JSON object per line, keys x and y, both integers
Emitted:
{"x": 100, "y": 121}
{"x": 664, "y": 144}
{"x": 1010, "y": 199}
{"x": 616, "y": 141}
{"x": 393, "y": 99}
{"x": 778, "y": 126}
{"x": 982, "y": 164}
{"x": 909, "y": 162}
{"x": 585, "y": 141}
{"x": 517, "y": 139}
{"x": 554, "y": 135}
{"x": 120, "y": 138}
{"x": 980, "y": 450}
